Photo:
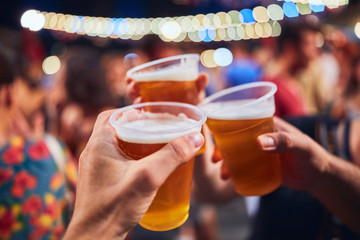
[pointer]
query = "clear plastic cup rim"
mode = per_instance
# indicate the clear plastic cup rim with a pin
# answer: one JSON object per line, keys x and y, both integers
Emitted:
{"x": 197, "y": 124}
{"x": 148, "y": 64}
{"x": 272, "y": 91}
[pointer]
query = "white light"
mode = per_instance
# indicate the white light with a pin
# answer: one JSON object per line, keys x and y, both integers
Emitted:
{"x": 357, "y": 29}
{"x": 223, "y": 57}
{"x": 51, "y": 65}
{"x": 33, "y": 20}
{"x": 171, "y": 30}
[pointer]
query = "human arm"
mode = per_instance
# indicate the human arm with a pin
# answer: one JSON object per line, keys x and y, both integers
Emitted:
{"x": 114, "y": 192}
{"x": 307, "y": 166}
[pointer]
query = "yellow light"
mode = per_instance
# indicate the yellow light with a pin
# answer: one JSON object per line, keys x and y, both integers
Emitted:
{"x": 275, "y": 12}
{"x": 260, "y": 14}
{"x": 186, "y": 24}
{"x": 47, "y": 19}
{"x": 240, "y": 31}
{"x": 304, "y": 8}
{"x": 208, "y": 20}
{"x": 198, "y": 21}
{"x": 231, "y": 32}
{"x": 276, "y": 29}
{"x": 193, "y": 36}
{"x": 53, "y": 22}
{"x": 171, "y": 30}
{"x": 357, "y": 29}
{"x": 147, "y": 26}
{"x": 225, "y": 19}
{"x": 51, "y": 65}
{"x": 249, "y": 30}
{"x": 259, "y": 29}
{"x": 234, "y": 17}
{"x": 180, "y": 38}
{"x": 267, "y": 29}
{"x": 155, "y": 28}
{"x": 207, "y": 58}
{"x": 61, "y": 21}
{"x": 221, "y": 33}
{"x": 67, "y": 24}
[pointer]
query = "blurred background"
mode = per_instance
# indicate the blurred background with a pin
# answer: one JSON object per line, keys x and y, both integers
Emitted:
{"x": 71, "y": 58}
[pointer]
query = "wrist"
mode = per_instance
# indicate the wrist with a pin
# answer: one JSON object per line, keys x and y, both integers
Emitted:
{"x": 92, "y": 230}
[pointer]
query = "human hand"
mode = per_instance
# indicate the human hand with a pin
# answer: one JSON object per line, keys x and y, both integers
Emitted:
{"x": 201, "y": 83}
{"x": 302, "y": 159}
{"x": 113, "y": 191}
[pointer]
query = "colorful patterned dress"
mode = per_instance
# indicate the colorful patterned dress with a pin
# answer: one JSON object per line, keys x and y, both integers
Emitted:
{"x": 34, "y": 190}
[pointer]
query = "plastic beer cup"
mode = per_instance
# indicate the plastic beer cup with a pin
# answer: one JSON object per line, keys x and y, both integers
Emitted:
{"x": 168, "y": 79}
{"x": 143, "y": 129}
{"x": 236, "y": 117}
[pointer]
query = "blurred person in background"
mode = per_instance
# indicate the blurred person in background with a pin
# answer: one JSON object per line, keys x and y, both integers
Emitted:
{"x": 37, "y": 171}
{"x": 296, "y": 49}
{"x": 115, "y": 66}
{"x": 347, "y": 105}
{"x": 87, "y": 94}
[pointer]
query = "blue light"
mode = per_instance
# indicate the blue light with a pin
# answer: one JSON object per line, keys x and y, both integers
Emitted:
{"x": 207, "y": 35}
{"x": 117, "y": 22}
{"x": 290, "y": 9}
{"x": 246, "y": 16}
{"x": 317, "y": 8}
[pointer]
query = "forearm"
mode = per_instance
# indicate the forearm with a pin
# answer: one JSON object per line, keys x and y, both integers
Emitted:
{"x": 338, "y": 188}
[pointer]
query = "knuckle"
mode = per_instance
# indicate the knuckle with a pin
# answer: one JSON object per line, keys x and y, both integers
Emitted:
{"x": 180, "y": 153}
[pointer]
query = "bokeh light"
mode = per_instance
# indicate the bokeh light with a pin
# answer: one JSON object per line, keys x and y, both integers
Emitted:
{"x": 275, "y": 12}
{"x": 246, "y": 16}
{"x": 357, "y": 29}
{"x": 223, "y": 57}
{"x": 33, "y": 20}
{"x": 290, "y": 9}
{"x": 207, "y": 58}
{"x": 261, "y": 14}
{"x": 51, "y": 65}
{"x": 171, "y": 30}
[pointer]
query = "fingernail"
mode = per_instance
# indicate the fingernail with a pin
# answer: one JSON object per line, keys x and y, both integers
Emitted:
{"x": 267, "y": 142}
{"x": 196, "y": 139}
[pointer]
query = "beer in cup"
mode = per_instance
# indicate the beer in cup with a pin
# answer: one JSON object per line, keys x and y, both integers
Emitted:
{"x": 143, "y": 129}
{"x": 168, "y": 79}
{"x": 236, "y": 117}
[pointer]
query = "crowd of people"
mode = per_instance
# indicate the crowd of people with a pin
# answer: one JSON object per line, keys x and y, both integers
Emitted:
{"x": 53, "y": 141}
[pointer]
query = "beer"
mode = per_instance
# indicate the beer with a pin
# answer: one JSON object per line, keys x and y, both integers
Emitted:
{"x": 236, "y": 117}
{"x": 168, "y": 90}
{"x": 171, "y": 204}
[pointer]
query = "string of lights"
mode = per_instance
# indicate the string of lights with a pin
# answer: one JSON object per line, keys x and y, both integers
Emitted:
{"x": 259, "y": 22}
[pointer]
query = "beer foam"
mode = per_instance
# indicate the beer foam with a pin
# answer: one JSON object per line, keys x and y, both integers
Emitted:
{"x": 167, "y": 74}
{"x": 238, "y": 110}
{"x": 155, "y": 127}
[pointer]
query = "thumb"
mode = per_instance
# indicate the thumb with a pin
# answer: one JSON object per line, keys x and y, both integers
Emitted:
{"x": 159, "y": 165}
{"x": 278, "y": 142}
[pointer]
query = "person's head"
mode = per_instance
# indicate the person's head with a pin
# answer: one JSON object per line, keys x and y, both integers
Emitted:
{"x": 299, "y": 41}
{"x": 85, "y": 81}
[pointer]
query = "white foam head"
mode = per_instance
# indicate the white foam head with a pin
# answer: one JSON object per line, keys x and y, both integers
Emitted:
{"x": 177, "y": 68}
{"x": 139, "y": 126}
{"x": 239, "y": 110}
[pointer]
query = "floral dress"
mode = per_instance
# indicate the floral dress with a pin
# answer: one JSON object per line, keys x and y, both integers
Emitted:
{"x": 33, "y": 190}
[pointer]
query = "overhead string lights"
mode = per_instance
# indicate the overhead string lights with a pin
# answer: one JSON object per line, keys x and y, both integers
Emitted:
{"x": 259, "y": 22}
